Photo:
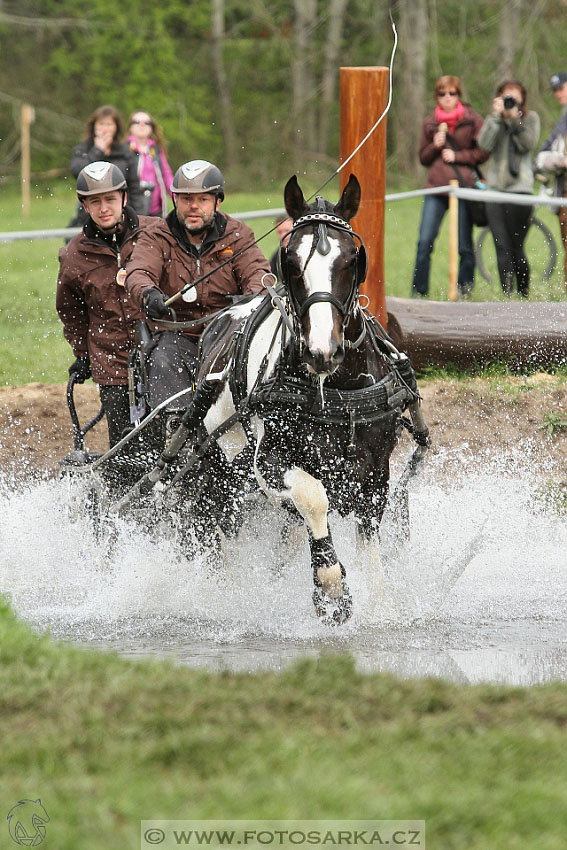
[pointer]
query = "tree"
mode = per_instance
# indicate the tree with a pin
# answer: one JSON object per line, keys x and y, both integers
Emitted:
{"x": 303, "y": 80}
{"x": 508, "y": 31}
{"x": 331, "y": 52}
{"x": 413, "y": 55}
{"x": 225, "y": 101}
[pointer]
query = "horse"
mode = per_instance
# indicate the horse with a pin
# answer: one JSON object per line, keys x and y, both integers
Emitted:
{"x": 300, "y": 393}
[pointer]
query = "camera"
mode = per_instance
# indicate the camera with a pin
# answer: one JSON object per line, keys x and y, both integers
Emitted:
{"x": 510, "y": 102}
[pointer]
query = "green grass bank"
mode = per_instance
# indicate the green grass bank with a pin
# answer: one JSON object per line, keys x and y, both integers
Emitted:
{"x": 32, "y": 347}
{"x": 106, "y": 742}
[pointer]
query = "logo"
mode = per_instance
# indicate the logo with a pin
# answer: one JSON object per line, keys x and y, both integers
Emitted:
{"x": 194, "y": 168}
{"x": 26, "y": 823}
{"x": 97, "y": 170}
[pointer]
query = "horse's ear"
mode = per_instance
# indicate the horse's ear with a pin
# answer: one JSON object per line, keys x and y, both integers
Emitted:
{"x": 348, "y": 205}
{"x": 294, "y": 200}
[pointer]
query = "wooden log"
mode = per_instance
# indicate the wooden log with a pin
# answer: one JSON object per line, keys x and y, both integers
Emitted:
{"x": 465, "y": 333}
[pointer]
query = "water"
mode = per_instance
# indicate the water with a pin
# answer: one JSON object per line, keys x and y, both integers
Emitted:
{"x": 478, "y": 594}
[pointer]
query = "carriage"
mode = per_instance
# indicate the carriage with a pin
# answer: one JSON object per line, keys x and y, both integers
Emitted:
{"x": 300, "y": 396}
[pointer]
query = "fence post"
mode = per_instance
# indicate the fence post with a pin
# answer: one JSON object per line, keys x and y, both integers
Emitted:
{"x": 363, "y": 98}
{"x": 27, "y": 119}
{"x": 453, "y": 241}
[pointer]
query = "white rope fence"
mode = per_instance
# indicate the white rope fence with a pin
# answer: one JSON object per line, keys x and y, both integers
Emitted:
{"x": 486, "y": 195}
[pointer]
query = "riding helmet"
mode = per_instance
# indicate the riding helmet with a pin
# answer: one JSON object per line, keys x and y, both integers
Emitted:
{"x": 198, "y": 176}
{"x": 99, "y": 177}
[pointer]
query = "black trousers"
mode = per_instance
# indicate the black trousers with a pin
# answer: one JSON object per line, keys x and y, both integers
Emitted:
{"x": 509, "y": 224}
{"x": 171, "y": 366}
{"x": 116, "y": 406}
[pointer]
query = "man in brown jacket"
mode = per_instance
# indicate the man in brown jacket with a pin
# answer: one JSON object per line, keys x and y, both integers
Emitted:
{"x": 99, "y": 318}
{"x": 195, "y": 240}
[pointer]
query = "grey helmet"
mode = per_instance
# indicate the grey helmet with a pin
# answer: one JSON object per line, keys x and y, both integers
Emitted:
{"x": 198, "y": 176}
{"x": 99, "y": 177}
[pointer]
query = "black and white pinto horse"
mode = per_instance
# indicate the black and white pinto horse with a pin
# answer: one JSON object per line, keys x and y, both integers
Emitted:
{"x": 306, "y": 392}
{"x": 300, "y": 394}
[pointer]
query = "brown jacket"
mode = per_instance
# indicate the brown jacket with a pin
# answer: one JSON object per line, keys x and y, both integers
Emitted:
{"x": 464, "y": 137}
{"x": 165, "y": 258}
{"x": 99, "y": 318}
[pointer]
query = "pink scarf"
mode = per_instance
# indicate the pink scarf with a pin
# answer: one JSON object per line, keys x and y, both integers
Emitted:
{"x": 450, "y": 118}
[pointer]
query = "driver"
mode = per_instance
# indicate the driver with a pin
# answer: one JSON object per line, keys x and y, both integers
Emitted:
{"x": 195, "y": 239}
{"x": 99, "y": 318}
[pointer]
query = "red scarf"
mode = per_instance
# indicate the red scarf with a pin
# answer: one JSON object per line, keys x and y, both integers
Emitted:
{"x": 450, "y": 118}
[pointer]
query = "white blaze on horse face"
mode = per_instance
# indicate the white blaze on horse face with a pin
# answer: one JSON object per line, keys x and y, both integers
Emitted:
{"x": 317, "y": 278}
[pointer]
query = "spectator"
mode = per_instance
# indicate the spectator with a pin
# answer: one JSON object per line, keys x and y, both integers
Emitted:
{"x": 553, "y": 157}
{"x": 146, "y": 140}
{"x": 283, "y": 229}
{"x": 509, "y": 134}
{"x": 448, "y": 148}
{"x": 103, "y": 134}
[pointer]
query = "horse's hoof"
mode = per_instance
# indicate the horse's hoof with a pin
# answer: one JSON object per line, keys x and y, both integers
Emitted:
{"x": 333, "y": 610}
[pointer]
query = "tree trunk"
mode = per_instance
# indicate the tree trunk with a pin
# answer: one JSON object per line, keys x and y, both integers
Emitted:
{"x": 225, "y": 101}
{"x": 303, "y": 77}
{"x": 411, "y": 95}
{"x": 508, "y": 32}
{"x": 330, "y": 69}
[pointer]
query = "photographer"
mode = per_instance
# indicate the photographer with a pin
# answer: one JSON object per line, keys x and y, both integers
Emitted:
{"x": 510, "y": 133}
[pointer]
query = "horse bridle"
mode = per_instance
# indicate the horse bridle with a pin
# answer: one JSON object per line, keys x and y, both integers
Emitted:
{"x": 321, "y": 245}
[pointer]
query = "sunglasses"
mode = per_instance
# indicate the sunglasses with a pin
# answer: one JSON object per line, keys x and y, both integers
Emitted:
{"x": 138, "y": 121}
{"x": 443, "y": 93}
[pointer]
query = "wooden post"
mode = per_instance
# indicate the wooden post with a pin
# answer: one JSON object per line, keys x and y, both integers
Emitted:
{"x": 363, "y": 98}
{"x": 453, "y": 242}
{"x": 27, "y": 119}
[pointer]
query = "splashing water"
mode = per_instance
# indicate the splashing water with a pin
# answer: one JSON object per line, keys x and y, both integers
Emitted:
{"x": 478, "y": 593}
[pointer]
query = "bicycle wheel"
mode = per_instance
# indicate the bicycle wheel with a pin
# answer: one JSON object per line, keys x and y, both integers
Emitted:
{"x": 541, "y": 251}
{"x": 478, "y": 254}
{"x": 551, "y": 259}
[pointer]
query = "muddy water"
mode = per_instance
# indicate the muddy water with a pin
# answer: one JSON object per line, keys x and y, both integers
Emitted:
{"x": 478, "y": 593}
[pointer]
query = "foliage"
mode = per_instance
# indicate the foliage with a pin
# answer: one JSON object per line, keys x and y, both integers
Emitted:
{"x": 106, "y": 743}
{"x": 66, "y": 57}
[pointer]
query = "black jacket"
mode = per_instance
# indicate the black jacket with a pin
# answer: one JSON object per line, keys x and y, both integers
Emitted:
{"x": 120, "y": 155}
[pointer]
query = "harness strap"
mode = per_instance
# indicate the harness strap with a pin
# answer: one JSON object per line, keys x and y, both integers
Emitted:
{"x": 318, "y": 297}
{"x": 277, "y": 303}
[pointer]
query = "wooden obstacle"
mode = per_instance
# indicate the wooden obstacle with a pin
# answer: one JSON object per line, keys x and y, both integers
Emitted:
{"x": 437, "y": 332}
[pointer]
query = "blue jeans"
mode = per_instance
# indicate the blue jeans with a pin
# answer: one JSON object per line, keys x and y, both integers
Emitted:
{"x": 434, "y": 208}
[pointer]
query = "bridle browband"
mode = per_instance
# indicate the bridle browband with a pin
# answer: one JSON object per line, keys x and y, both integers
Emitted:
{"x": 321, "y": 245}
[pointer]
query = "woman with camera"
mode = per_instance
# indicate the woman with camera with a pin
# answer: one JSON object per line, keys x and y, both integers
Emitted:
{"x": 510, "y": 133}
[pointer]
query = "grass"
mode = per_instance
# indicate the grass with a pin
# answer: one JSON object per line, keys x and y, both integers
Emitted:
{"x": 553, "y": 423}
{"x": 32, "y": 347}
{"x": 106, "y": 742}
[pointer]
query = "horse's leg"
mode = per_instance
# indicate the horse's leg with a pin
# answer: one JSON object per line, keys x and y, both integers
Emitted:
{"x": 331, "y": 595}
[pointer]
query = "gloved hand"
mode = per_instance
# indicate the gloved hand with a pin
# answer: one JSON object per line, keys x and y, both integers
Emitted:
{"x": 154, "y": 304}
{"x": 81, "y": 368}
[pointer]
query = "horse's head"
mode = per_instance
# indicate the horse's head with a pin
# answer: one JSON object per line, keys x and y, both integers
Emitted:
{"x": 322, "y": 270}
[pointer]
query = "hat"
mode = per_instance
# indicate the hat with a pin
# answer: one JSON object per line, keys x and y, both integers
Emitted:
{"x": 557, "y": 81}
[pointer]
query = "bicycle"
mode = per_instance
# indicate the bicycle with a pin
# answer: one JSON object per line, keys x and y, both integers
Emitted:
{"x": 551, "y": 250}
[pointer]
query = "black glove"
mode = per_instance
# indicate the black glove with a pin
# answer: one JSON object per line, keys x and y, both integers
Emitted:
{"x": 81, "y": 369}
{"x": 154, "y": 304}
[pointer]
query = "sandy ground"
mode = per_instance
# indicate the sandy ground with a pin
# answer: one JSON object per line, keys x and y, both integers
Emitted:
{"x": 477, "y": 415}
